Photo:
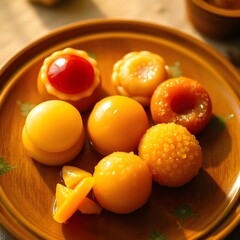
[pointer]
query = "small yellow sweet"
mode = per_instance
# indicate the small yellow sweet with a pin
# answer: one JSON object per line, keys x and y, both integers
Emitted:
{"x": 53, "y": 133}
{"x": 122, "y": 182}
{"x": 137, "y": 75}
{"x": 116, "y": 123}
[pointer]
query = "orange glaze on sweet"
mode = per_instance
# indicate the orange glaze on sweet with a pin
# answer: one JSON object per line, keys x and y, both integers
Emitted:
{"x": 122, "y": 182}
{"x": 116, "y": 123}
{"x": 184, "y": 101}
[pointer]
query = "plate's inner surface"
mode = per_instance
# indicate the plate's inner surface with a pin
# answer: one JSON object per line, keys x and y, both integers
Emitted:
{"x": 177, "y": 213}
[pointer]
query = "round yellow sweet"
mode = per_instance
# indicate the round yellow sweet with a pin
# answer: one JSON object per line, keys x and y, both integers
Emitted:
{"x": 117, "y": 123}
{"x": 53, "y": 132}
{"x": 122, "y": 182}
{"x": 137, "y": 75}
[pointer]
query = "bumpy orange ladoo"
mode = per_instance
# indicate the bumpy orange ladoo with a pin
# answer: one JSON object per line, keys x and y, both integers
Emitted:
{"x": 122, "y": 182}
{"x": 172, "y": 154}
{"x": 183, "y": 101}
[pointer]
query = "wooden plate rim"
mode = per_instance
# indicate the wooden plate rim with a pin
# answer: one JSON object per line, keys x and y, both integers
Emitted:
{"x": 69, "y": 31}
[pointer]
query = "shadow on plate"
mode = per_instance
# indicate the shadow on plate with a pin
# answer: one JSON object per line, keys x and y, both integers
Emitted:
{"x": 215, "y": 141}
{"x": 170, "y": 213}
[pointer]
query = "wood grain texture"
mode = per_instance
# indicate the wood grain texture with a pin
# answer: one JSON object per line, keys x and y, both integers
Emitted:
{"x": 27, "y": 192}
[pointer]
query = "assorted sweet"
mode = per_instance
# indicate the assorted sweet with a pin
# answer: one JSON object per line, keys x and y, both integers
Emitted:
{"x": 122, "y": 182}
{"x": 116, "y": 123}
{"x": 137, "y": 75}
{"x": 67, "y": 207}
{"x": 184, "y": 101}
{"x": 70, "y": 75}
{"x": 74, "y": 196}
{"x": 53, "y": 132}
{"x": 134, "y": 154}
{"x": 172, "y": 154}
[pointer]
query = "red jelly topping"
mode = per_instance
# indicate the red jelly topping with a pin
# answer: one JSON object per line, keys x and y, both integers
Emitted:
{"x": 71, "y": 74}
{"x": 182, "y": 103}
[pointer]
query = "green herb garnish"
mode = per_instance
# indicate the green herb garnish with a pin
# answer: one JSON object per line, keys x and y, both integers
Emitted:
{"x": 182, "y": 212}
{"x": 25, "y": 108}
{"x": 5, "y": 167}
{"x": 175, "y": 70}
{"x": 92, "y": 55}
{"x": 155, "y": 235}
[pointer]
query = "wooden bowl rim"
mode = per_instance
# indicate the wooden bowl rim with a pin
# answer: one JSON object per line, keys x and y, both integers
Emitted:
{"x": 223, "y": 12}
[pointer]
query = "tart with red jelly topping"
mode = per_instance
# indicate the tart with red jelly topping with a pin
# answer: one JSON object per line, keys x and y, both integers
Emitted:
{"x": 70, "y": 75}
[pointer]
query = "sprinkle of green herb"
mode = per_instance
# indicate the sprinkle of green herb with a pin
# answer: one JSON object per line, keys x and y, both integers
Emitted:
{"x": 25, "y": 108}
{"x": 219, "y": 123}
{"x": 175, "y": 70}
{"x": 182, "y": 212}
{"x": 5, "y": 167}
{"x": 92, "y": 55}
{"x": 158, "y": 236}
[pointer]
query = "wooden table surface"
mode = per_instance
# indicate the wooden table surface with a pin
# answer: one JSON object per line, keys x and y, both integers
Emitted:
{"x": 23, "y": 22}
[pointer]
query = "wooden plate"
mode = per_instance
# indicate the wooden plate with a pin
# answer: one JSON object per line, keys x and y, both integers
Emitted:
{"x": 202, "y": 208}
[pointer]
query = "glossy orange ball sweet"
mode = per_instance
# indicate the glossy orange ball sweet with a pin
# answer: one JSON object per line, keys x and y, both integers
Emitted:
{"x": 122, "y": 182}
{"x": 53, "y": 132}
{"x": 184, "y": 101}
{"x": 116, "y": 123}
